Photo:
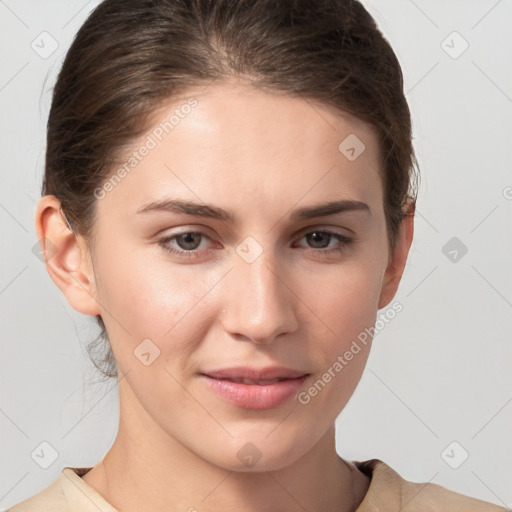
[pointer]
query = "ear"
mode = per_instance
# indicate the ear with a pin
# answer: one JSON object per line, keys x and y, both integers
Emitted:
{"x": 397, "y": 260}
{"x": 66, "y": 256}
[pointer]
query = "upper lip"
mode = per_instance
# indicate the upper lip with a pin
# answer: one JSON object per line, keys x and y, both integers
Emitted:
{"x": 268, "y": 373}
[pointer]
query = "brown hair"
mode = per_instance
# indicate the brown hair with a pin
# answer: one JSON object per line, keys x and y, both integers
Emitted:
{"x": 131, "y": 56}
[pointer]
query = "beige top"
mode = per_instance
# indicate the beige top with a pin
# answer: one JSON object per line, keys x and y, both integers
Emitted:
{"x": 388, "y": 492}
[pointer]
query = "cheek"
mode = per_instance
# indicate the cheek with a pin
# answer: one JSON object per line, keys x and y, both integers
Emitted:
{"x": 346, "y": 298}
{"x": 346, "y": 303}
{"x": 168, "y": 304}
{"x": 145, "y": 297}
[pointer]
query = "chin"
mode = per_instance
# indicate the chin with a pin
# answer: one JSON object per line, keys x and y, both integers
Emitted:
{"x": 257, "y": 454}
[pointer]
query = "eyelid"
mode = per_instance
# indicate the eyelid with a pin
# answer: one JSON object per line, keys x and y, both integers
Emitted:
{"x": 330, "y": 229}
{"x": 183, "y": 230}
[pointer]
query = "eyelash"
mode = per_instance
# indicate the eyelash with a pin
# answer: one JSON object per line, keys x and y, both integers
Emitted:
{"x": 163, "y": 242}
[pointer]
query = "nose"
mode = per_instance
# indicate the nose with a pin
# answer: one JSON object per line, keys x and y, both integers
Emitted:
{"x": 259, "y": 303}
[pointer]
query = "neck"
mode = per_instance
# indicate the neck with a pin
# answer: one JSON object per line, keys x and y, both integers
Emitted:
{"x": 148, "y": 469}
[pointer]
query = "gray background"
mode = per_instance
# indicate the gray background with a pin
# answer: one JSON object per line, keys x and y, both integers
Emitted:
{"x": 439, "y": 372}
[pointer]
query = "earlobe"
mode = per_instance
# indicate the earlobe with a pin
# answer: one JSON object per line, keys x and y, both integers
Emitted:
{"x": 397, "y": 261}
{"x": 66, "y": 257}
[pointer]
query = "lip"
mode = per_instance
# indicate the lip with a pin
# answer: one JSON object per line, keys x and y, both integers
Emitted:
{"x": 255, "y": 395}
{"x": 267, "y": 373}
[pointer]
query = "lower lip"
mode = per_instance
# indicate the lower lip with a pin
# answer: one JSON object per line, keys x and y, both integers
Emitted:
{"x": 254, "y": 396}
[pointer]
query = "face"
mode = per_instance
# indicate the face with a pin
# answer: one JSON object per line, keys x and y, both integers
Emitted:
{"x": 254, "y": 277}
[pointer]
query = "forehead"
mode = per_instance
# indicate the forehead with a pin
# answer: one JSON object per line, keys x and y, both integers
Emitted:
{"x": 238, "y": 147}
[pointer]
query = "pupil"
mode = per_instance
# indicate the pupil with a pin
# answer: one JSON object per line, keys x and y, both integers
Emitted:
{"x": 317, "y": 235}
{"x": 187, "y": 238}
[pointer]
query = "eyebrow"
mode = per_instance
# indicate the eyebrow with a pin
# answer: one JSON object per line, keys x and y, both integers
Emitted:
{"x": 214, "y": 212}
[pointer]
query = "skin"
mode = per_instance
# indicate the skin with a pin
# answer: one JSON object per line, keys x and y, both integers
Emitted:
{"x": 261, "y": 156}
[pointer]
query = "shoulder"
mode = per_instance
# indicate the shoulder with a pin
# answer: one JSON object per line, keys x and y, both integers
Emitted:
{"x": 69, "y": 493}
{"x": 389, "y": 491}
{"x": 50, "y": 498}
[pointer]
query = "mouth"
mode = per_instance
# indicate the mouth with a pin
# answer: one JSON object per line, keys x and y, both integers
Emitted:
{"x": 255, "y": 389}
{"x": 268, "y": 374}
{"x": 252, "y": 382}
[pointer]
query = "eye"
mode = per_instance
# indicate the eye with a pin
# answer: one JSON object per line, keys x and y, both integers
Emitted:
{"x": 187, "y": 242}
{"x": 322, "y": 238}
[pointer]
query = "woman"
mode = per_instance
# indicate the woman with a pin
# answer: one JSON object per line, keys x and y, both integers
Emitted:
{"x": 228, "y": 189}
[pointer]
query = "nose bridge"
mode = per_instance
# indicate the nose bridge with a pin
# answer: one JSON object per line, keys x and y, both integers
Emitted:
{"x": 258, "y": 304}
